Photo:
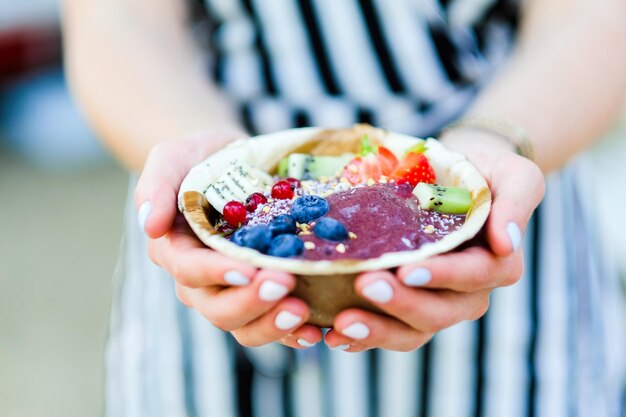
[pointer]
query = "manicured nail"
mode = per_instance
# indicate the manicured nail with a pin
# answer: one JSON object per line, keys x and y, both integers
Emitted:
{"x": 379, "y": 291}
{"x": 340, "y": 347}
{"x": 286, "y": 320}
{"x": 514, "y": 234}
{"x": 356, "y": 331}
{"x": 305, "y": 344}
{"x": 272, "y": 291}
{"x": 143, "y": 213}
{"x": 418, "y": 277}
{"x": 236, "y": 278}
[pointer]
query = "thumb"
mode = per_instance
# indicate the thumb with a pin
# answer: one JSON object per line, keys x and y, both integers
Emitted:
{"x": 517, "y": 191}
{"x": 166, "y": 166}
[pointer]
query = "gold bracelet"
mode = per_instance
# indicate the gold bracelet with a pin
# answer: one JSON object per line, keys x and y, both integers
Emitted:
{"x": 512, "y": 133}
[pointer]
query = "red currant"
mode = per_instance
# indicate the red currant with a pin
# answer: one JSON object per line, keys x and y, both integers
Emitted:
{"x": 253, "y": 201}
{"x": 282, "y": 190}
{"x": 235, "y": 213}
{"x": 293, "y": 183}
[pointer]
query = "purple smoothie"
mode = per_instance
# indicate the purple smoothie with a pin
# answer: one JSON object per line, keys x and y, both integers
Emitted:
{"x": 381, "y": 218}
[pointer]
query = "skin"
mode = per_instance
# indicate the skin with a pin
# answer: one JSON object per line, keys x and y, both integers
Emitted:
{"x": 564, "y": 83}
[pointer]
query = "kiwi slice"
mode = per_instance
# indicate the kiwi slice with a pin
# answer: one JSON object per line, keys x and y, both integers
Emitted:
{"x": 304, "y": 166}
{"x": 283, "y": 167}
{"x": 449, "y": 200}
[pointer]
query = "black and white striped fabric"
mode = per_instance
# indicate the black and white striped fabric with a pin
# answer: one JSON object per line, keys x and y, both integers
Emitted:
{"x": 552, "y": 345}
{"x": 407, "y": 65}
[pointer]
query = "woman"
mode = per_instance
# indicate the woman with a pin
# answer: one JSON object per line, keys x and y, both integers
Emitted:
{"x": 550, "y": 68}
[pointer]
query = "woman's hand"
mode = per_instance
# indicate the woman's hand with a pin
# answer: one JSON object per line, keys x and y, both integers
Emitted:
{"x": 439, "y": 292}
{"x": 251, "y": 304}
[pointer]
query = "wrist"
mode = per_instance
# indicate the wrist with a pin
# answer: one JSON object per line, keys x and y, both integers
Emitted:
{"x": 471, "y": 142}
{"x": 512, "y": 133}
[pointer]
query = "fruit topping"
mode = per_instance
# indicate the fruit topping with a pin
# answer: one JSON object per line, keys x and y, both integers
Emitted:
{"x": 286, "y": 246}
{"x": 238, "y": 182}
{"x": 372, "y": 163}
{"x": 282, "y": 190}
{"x": 293, "y": 183}
{"x": 308, "y": 208}
{"x": 414, "y": 168}
{"x": 235, "y": 213}
{"x": 304, "y": 166}
{"x": 283, "y": 224}
{"x": 254, "y": 200}
{"x": 443, "y": 199}
{"x": 330, "y": 229}
{"x": 362, "y": 169}
{"x": 253, "y": 237}
{"x": 387, "y": 160}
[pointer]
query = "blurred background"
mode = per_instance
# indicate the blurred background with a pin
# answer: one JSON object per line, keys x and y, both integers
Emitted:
{"x": 60, "y": 223}
{"x": 61, "y": 203}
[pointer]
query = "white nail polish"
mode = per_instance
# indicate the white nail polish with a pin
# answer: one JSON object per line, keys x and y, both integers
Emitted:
{"x": 340, "y": 347}
{"x": 356, "y": 331}
{"x": 272, "y": 291}
{"x": 236, "y": 278}
{"x": 305, "y": 344}
{"x": 143, "y": 213}
{"x": 286, "y": 320}
{"x": 418, "y": 277}
{"x": 379, "y": 291}
{"x": 514, "y": 234}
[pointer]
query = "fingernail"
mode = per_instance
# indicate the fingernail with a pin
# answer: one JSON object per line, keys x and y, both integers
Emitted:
{"x": 143, "y": 213}
{"x": 236, "y": 278}
{"x": 418, "y": 277}
{"x": 340, "y": 347}
{"x": 514, "y": 234}
{"x": 286, "y": 320}
{"x": 379, "y": 291}
{"x": 305, "y": 344}
{"x": 356, "y": 330}
{"x": 271, "y": 291}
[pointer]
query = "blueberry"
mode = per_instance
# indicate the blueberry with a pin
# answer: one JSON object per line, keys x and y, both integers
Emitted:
{"x": 286, "y": 246}
{"x": 330, "y": 229}
{"x": 283, "y": 224}
{"x": 308, "y": 208}
{"x": 254, "y": 237}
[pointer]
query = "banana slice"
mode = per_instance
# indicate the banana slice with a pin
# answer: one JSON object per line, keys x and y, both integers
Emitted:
{"x": 237, "y": 183}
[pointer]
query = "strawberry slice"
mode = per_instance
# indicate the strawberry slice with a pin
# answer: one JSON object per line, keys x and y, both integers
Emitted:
{"x": 414, "y": 168}
{"x": 372, "y": 163}
{"x": 388, "y": 161}
{"x": 362, "y": 168}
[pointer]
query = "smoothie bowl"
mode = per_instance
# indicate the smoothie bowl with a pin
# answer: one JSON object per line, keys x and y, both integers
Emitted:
{"x": 328, "y": 204}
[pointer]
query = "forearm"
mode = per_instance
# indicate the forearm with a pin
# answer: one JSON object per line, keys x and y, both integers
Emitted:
{"x": 566, "y": 79}
{"x": 139, "y": 76}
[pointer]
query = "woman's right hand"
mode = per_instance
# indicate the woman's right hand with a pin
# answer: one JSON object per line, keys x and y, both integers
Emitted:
{"x": 252, "y": 304}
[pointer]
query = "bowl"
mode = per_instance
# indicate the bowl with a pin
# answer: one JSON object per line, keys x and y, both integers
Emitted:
{"x": 328, "y": 286}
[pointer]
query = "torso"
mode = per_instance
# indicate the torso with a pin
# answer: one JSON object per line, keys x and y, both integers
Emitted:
{"x": 410, "y": 66}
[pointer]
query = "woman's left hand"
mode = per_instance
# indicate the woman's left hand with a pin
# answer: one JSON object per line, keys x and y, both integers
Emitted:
{"x": 423, "y": 298}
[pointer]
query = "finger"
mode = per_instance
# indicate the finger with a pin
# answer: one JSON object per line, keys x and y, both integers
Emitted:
{"x": 281, "y": 320}
{"x": 234, "y": 307}
{"x": 469, "y": 270}
{"x": 426, "y": 310}
{"x": 517, "y": 188}
{"x": 183, "y": 295}
{"x": 360, "y": 328}
{"x": 194, "y": 265}
{"x": 157, "y": 187}
{"x": 339, "y": 343}
{"x": 164, "y": 170}
{"x": 303, "y": 337}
